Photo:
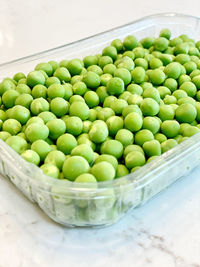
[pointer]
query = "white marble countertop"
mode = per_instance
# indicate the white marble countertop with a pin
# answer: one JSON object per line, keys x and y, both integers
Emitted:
{"x": 164, "y": 232}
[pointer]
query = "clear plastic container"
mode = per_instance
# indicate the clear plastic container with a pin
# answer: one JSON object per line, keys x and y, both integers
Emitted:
{"x": 73, "y": 204}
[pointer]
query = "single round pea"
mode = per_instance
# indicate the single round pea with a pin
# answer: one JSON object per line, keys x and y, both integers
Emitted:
{"x": 156, "y": 76}
{"x": 165, "y": 33}
{"x": 39, "y": 91}
{"x": 173, "y": 70}
{"x": 179, "y": 94}
{"x": 96, "y": 69}
{"x": 90, "y": 60}
{"x": 12, "y": 126}
{"x": 182, "y": 48}
{"x": 74, "y": 66}
{"x": 24, "y": 100}
{"x": 114, "y": 124}
{"x": 75, "y": 166}
{"x": 103, "y": 171}
{"x": 110, "y": 51}
{"x": 105, "y": 113}
{"x": 108, "y": 158}
{"x": 160, "y": 44}
{"x": 6, "y": 85}
{"x": 59, "y": 106}
{"x": 76, "y": 98}
{"x": 23, "y": 89}
{"x": 130, "y": 42}
{"x": 135, "y": 100}
{"x": 62, "y": 74}
{"x": 108, "y": 100}
{"x": 190, "y": 131}
{"x": 79, "y": 88}
{"x": 117, "y": 43}
{"x": 66, "y": 143}
{"x": 39, "y": 105}
{"x": 170, "y": 128}
{"x": 20, "y": 114}
{"x": 85, "y": 151}
{"x": 80, "y": 110}
{"x": 98, "y": 132}
{"x": 55, "y": 90}
{"x": 45, "y": 67}
{"x": 17, "y": 143}
{"x": 131, "y": 148}
{"x": 91, "y": 79}
{"x": 91, "y": 99}
{"x": 112, "y": 147}
{"x": 151, "y": 93}
{"x": 133, "y": 122}
{"x": 3, "y": 116}
{"x": 4, "y": 135}
{"x": 134, "y": 159}
{"x": 42, "y": 148}
{"x": 155, "y": 63}
{"x": 190, "y": 66}
{"x": 56, "y": 128}
{"x": 166, "y": 112}
{"x": 50, "y": 170}
{"x": 121, "y": 171}
{"x": 18, "y": 76}
{"x": 34, "y": 78}
{"x": 138, "y": 75}
{"x": 152, "y": 148}
{"x": 143, "y": 136}
{"x": 35, "y": 120}
{"x": 46, "y": 116}
{"x": 189, "y": 88}
{"x": 85, "y": 178}
{"x": 9, "y": 97}
{"x": 115, "y": 86}
{"x": 186, "y": 113}
{"x": 125, "y": 137}
{"x": 171, "y": 84}
{"x": 31, "y": 156}
{"x": 84, "y": 139}
{"x": 109, "y": 68}
{"x": 160, "y": 137}
{"x": 168, "y": 144}
{"x": 135, "y": 89}
{"x": 54, "y": 64}
{"x": 36, "y": 131}
{"x": 51, "y": 80}
{"x": 169, "y": 99}
{"x": 104, "y": 60}
{"x": 74, "y": 125}
{"x": 149, "y": 107}
{"x": 123, "y": 74}
{"x": 141, "y": 62}
{"x": 152, "y": 124}
{"x": 147, "y": 42}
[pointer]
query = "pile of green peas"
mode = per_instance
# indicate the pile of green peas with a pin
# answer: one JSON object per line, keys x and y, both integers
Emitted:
{"x": 106, "y": 115}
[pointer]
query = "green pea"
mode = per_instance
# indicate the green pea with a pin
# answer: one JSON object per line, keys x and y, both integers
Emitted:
{"x": 118, "y": 105}
{"x": 103, "y": 171}
{"x": 85, "y": 151}
{"x": 152, "y": 124}
{"x": 39, "y": 105}
{"x": 131, "y": 148}
{"x": 23, "y": 89}
{"x": 74, "y": 66}
{"x": 45, "y": 67}
{"x": 112, "y": 147}
{"x": 105, "y": 113}
{"x": 179, "y": 94}
{"x": 75, "y": 166}
{"x": 54, "y": 64}
{"x": 90, "y": 60}
{"x": 52, "y": 80}
{"x": 110, "y": 51}
{"x": 74, "y": 125}
{"x": 117, "y": 43}
{"x": 152, "y": 148}
{"x": 36, "y": 131}
{"x": 166, "y": 112}
{"x": 84, "y": 139}
{"x": 156, "y": 76}
{"x": 104, "y": 60}
{"x": 143, "y": 136}
{"x": 189, "y": 88}
{"x": 34, "y": 78}
{"x": 160, "y": 137}
{"x": 114, "y": 124}
{"x": 50, "y": 170}
{"x": 17, "y": 143}
{"x": 24, "y": 100}
{"x": 123, "y": 74}
{"x": 151, "y": 93}
{"x": 59, "y": 106}
{"x": 163, "y": 91}
{"x": 138, "y": 75}
{"x": 109, "y": 68}
{"x": 168, "y": 144}
{"x": 91, "y": 99}
{"x": 149, "y": 107}
{"x": 130, "y": 42}
{"x": 186, "y": 113}
{"x": 155, "y": 63}
{"x": 31, "y": 156}
{"x": 46, "y": 116}
{"x": 76, "y": 98}
{"x": 131, "y": 108}
{"x": 9, "y": 97}
{"x": 20, "y": 114}
{"x": 62, "y": 74}
{"x": 165, "y": 33}
{"x": 4, "y": 135}
{"x": 171, "y": 84}
{"x": 125, "y": 95}
{"x": 135, "y": 89}
{"x": 190, "y": 66}
{"x": 190, "y": 131}
{"x": 115, "y": 86}
{"x": 161, "y": 44}
{"x": 170, "y": 128}
{"x": 85, "y": 178}
{"x": 12, "y": 126}
{"x": 133, "y": 122}
{"x": 18, "y": 76}
{"x": 134, "y": 159}
{"x": 56, "y": 128}
{"x": 125, "y": 137}
{"x": 147, "y": 42}
{"x": 80, "y": 110}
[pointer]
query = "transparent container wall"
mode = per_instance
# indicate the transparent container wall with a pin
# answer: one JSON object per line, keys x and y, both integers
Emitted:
{"x": 72, "y": 205}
